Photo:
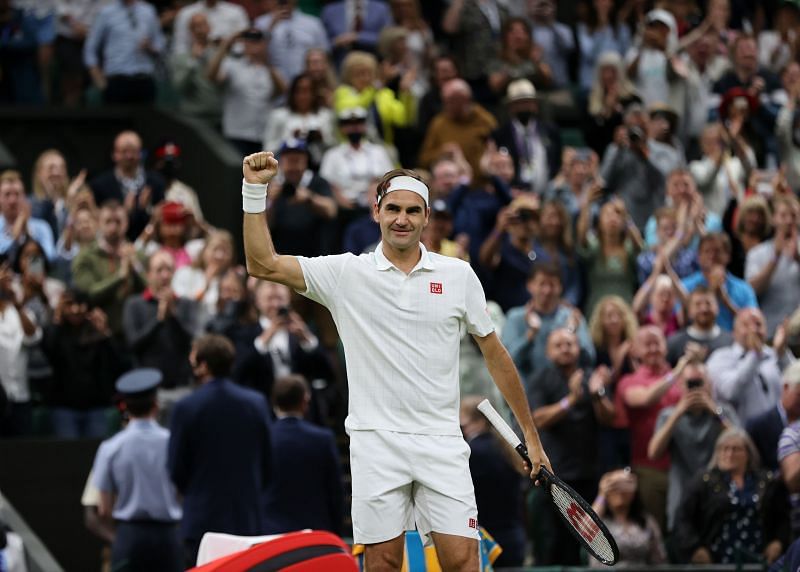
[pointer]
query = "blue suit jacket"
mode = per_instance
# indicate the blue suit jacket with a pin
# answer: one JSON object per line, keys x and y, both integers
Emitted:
{"x": 306, "y": 489}
{"x": 220, "y": 458}
{"x": 377, "y": 17}
{"x": 765, "y": 431}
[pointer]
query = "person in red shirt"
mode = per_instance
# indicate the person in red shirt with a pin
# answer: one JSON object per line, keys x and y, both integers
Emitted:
{"x": 643, "y": 394}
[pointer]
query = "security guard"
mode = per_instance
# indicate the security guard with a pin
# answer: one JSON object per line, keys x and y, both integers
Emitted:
{"x": 130, "y": 471}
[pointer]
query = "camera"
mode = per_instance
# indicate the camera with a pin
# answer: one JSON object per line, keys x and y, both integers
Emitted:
{"x": 283, "y": 312}
{"x": 694, "y": 383}
{"x": 635, "y": 135}
{"x": 525, "y": 215}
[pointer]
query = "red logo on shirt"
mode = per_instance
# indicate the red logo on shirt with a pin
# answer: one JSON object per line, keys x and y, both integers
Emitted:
{"x": 436, "y": 287}
{"x": 473, "y": 523}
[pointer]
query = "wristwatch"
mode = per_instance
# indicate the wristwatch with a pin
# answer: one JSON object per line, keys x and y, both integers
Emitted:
{"x": 600, "y": 393}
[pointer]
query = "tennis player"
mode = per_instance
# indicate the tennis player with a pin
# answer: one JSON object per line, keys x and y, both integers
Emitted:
{"x": 400, "y": 312}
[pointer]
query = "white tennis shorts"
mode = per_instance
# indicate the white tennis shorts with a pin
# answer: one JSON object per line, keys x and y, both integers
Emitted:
{"x": 403, "y": 479}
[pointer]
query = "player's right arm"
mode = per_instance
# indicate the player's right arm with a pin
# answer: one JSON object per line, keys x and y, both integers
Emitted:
{"x": 262, "y": 260}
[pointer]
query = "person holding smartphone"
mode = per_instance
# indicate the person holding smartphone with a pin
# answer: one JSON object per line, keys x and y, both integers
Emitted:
{"x": 688, "y": 431}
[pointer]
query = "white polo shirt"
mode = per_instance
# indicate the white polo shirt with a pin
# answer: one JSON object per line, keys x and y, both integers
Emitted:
{"x": 401, "y": 335}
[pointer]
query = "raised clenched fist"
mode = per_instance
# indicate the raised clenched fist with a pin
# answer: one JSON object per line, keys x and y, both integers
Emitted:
{"x": 259, "y": 168}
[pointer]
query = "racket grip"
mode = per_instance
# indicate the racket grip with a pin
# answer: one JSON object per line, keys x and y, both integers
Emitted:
{"x": 522, "y": 450}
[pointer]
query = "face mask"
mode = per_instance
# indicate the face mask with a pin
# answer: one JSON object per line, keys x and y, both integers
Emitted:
{"x": 355, "y": 138}
{"x": 524, "y": 117}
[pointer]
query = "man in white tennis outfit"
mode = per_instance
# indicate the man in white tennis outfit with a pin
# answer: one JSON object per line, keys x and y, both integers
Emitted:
{"x": 400, "y": 312}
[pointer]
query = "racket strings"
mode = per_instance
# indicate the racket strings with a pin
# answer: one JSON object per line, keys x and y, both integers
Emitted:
{"x": 583, "y": 523}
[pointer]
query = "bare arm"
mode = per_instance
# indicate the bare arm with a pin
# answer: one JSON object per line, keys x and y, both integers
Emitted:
{"x": 262, "y": 260}
{"x": 647, "y": 396}
{"x": 106, "y": 504}
{"x": 660, "y": 440}
{"x": 790, "y": 469}
{"x": 452, "y": 18}
{"x": 506, "y": 377}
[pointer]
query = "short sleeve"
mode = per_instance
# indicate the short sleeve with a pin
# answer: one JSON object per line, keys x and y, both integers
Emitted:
{"x": 476, "y": 314}
{"x": 756, "y": 260}
{"x": 789, "y": 443}
{"x": 101, "y": 470}
{"x": 322, "y": 275}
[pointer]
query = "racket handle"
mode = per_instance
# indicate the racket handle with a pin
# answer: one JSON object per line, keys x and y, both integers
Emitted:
{"x": 522, "y": 450}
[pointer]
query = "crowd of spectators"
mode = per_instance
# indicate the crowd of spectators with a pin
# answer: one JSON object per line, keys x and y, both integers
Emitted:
{"x": 622, "y": 176}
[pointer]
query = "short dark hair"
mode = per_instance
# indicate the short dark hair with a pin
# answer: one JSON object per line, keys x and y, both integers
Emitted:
{"x": 551, "y": 269}
{"x": 140, "y": 404}
{"x": 719, "y": 237}
{"x": 290, "y": 392}
{"x": 701, "y": 290}
{"x": 217, "y": 352}
{"x": 110, "y": 204}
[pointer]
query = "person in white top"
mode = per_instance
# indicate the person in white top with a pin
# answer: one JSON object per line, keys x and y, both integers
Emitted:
{"x": 225, "y": 18}
{"x": 400, "y": 312}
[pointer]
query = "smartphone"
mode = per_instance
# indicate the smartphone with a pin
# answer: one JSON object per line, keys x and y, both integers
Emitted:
{"x": 694, "y": 383}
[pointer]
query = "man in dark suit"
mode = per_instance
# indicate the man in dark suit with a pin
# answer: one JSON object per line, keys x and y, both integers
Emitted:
{"x": 219, "y": 450}
{"x": 534, "y": 144}
{"x": 765, "y": 429}
{"x": 129, "y": 183}
{"x": 306, "y": 488}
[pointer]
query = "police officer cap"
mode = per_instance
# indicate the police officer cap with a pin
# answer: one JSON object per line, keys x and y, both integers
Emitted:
{"x": 139, "y": 381}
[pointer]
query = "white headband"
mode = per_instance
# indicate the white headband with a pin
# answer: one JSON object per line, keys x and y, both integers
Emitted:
{"x": 406, "y": 183}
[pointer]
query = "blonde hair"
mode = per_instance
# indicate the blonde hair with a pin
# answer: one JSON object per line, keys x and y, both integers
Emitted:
{"x": 217, "y": 236}
{"x": 354, "y": 60}
{"x": 388, "y": 37}
{"x": 759, "y": 204}
{"x": 753, "y": 458}
{"x": 596, "y": 321}
{"x": 36, "y": 184}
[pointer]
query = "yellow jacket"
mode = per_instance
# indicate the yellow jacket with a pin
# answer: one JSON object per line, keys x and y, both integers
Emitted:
{"x": 393, "y": 112}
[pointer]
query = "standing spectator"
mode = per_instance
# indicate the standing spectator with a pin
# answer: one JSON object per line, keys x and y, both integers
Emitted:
{"x": 109, "y": 270}
{"x": 219, "y": 441}
{"x": 320, "y": 68}
{"x": 656, "y": 303}
{"x": 20, "y": 82}
{"x": 554, "y": 244}
{"x": 85, "y": 364}
{"x": 643, "y": 394}
{"x": 355, "y": 25}
{"x": 528, "y": 327}
{"x": 16, "y": 223}
{"x": 675, "y": 231}
{"x": 18, "y": 332}
{"x": 620, "y": 506}
{"x": 168, "y": 165}
{"x": 688, "y": 432}
{"x": 630, "y": 167}
{"x": 53, "y": 193}
{"x": 720, "y": 176}
{"x": 733, "y": 294}
{"x": 568, "y": 404}
{"x": 129, "y": 183}
{"x": 773, "y": 267}
{"x": 168, "y": 230}
{"x": 419, "y": 41}
{"x": 555, "y": 39}
{"x": 462, "y": 121}
{"x": 765, "y": 429}
{"x": 159, "y": 328}
{"x": 519, "y": 58}
{"x": 224, "y": 18}
{"x": 497, "y": 482}
{"x": 609, "y": 258}
{"x": 610, "y": 92}
{"x": 703, "y": 331}
{"x": 534, "y": 144}
{"x": 353, "y": 165}
{"x": 249, "y": 85}
{"x": 391, "y": 105}
{"x": 73, "y": 22}
{"x": 599, "y": 35}
{"x": 747, "y": 373}
{"x": 200, "y": 281}
{"x": 197, "y": 94}
{"x": 783, "y": 430}
{"x": 570, "y": 185}
{"x": 753, "y": 225}
{"x": 734, "y": 511}
{"x": 306, "y": 489}
{"x": 291, "y": 34}
{"x": 130, "y": 472}
{"x": 80, "y": 232}
{"x": 443, "y": 69}
{"x": 788, "y": 146}
{"x": 121, "y": 51}
{"x": 302, "y": 205}
{"x": 304, "y": 117}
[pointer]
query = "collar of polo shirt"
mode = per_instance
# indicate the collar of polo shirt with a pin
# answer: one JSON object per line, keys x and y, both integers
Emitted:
{"x": 406, "y": 183}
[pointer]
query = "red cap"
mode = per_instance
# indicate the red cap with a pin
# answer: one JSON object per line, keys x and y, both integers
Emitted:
{"x": 733, "y": 94}
{"x": 168, "y": 150}
{"x": 173, "y": 213}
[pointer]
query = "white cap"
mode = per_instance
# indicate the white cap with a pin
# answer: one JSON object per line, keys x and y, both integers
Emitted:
{"x": 406, "y": 183}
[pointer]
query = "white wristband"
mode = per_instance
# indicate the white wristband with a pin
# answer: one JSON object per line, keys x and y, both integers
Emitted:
{"x": 254, "y": 197}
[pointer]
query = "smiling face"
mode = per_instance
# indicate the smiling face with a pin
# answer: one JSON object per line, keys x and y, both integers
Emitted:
{"x": 401, "y": 215}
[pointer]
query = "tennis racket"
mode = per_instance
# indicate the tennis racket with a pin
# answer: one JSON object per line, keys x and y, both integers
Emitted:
{"x": 576, "y": 513}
